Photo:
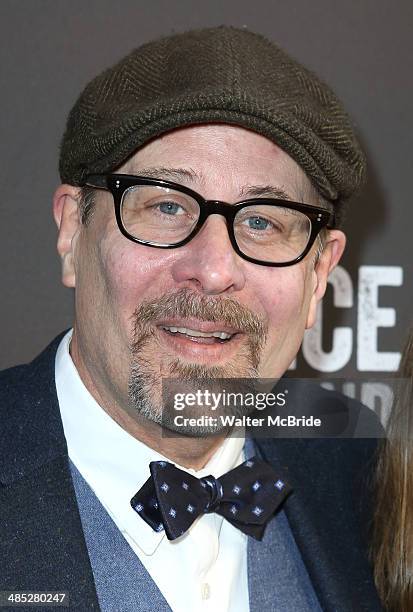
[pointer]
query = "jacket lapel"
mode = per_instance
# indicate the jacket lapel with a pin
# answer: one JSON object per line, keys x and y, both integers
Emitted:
{"x": 42, "y": 536}
{"x": 325, "y": 519}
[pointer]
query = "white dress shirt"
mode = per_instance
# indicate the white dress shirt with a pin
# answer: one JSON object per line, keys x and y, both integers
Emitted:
{"x": 205, "y": 570}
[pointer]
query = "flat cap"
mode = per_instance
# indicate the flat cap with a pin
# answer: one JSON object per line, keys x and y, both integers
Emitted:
{"x": 213, "y": 75}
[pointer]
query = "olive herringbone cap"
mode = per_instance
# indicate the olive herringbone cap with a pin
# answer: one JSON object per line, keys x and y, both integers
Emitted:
{"x": 214, "y": 75}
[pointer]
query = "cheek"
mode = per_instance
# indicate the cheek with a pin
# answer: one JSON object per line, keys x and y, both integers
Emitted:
{"x": 130, "y": 273}
{"x": 286, "y": 302}
{"x": 122, "y": 279}
{"x": 286, "y": 297}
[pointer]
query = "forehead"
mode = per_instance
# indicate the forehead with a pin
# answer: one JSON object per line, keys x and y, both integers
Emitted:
{"x": 230, "y": 157}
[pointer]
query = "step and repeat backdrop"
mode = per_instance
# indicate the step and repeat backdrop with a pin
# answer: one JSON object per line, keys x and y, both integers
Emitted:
{"x": 51, "y": 48}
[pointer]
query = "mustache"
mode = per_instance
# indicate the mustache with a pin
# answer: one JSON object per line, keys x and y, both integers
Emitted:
{"x": 185, "y": 303}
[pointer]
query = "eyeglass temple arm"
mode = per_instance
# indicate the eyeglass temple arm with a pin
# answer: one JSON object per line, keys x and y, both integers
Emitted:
{"x": 331, "y": 221}
{"x": 97, "y": 180}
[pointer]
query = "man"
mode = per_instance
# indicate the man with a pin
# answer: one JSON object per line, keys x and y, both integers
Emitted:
{"x": 203, "y": 181}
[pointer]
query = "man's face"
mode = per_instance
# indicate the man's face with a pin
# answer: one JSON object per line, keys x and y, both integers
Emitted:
{"x": 127, "y": 293}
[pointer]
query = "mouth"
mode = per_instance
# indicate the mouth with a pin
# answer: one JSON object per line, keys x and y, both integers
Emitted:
{"x": 200, "y": 339}
{"x": 196, "y": 335}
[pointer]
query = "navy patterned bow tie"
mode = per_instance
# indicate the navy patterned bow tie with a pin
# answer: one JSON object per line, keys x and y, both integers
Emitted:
{"x": 246, "y": 496}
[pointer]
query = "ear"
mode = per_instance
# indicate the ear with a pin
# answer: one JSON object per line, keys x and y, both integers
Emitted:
{"x": 66, "y": 215}
{"x": 329, "y": 258}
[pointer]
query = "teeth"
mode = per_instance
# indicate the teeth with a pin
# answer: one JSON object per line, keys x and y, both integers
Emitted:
{"x": 194, "y": 332}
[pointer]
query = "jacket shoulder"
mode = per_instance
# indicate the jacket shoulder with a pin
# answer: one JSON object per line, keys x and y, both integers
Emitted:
{"x": 19, "y": 376}
{"x": 31, "y": 431}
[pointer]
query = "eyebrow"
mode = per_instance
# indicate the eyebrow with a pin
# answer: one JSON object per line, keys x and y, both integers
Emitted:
{"x": 267, "y": 191}
{"x": 188, "y": 174}
{"x": 171, "y": 174}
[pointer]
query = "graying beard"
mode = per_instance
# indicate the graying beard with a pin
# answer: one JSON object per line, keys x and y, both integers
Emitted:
{"x": 144, "y": 381}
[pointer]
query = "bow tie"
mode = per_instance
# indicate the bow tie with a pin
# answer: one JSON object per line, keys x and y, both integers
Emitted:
{"x": 246, "y": 496}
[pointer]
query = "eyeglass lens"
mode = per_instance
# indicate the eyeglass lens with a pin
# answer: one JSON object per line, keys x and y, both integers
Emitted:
{"x": 165, "y": 217}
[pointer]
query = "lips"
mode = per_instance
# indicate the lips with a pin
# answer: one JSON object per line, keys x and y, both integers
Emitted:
{"x": 197, "y": 325}
{"x": 196, "y": 333}
{"x": 199, "y": 336}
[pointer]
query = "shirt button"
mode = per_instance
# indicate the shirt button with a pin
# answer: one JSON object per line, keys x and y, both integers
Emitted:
{"x": 205, "y": 591}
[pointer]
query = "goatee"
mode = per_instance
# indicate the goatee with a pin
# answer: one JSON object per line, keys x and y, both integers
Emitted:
{"x": 150, "y": 366}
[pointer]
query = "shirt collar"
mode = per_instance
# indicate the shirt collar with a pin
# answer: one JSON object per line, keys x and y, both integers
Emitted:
{"x": 114, "y": 463}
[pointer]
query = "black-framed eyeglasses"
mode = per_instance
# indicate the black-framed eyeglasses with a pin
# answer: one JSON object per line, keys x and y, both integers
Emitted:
{"x": 166, "y": 215}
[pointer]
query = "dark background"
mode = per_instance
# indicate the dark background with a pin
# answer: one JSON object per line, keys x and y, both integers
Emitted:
{"x": 51, "y": 48}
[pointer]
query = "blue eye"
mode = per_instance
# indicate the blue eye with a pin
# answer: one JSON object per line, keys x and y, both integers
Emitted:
{"x": 170, "y": 208}
{"x": 258, "y": 223}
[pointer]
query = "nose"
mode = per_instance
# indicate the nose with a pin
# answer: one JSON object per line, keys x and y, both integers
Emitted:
{"x": 208, "y": 261}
